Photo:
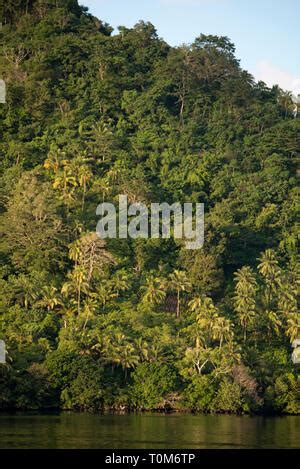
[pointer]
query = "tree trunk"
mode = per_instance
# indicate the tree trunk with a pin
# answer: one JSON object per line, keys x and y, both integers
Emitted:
{"x": 78, "y": 300}
{"x": 83, "y": 198}
{"x": 85, "y": 322}
{"x": 178, "y": 304}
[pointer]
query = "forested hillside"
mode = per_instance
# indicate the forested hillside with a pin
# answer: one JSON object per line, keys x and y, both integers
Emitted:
{"x": 142, "y": 324}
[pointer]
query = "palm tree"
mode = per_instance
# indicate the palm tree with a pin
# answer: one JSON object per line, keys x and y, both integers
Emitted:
{"x": 103, "y": 186}
{"x": 74, "y": 251}
{"x": 293, "y": 329}
{"x": 245, "y": 280}
{"x": 142, "y": 349}
{"x": 49, "y": 298}
{"x": 206, "y": 309}
{"x": 270, "y": 270}
{"x": 84, "y": 176}
{"x": 154, "y": 290}
{"x": 195, "y": 304}
{"x": 222, "y": 329}
{"x": 156, "y": 351}
{"x": 107, "y": 345}
{"x": 53, "y": 161}
{"x": 287, "y": 301}
{"x": 24, "y": 290}
{"x": 113, "y": 175}
{"x": 120, "y": 282}
{"x": 102, "y": 139}
{"x": 286, "y": 101}
{"x": 66, "y": 177}
{"x": 128, "y": 357}
{"x": 273, "y": 322}
{"x": 68, "y": 311}
{"x": 76, "y": 284}
{"x": 66, "y": 181}
{"x": 206, "y": 313}
{"x": 244, "y": 299}
{"x": 105, "y": 293}
{"x": 89, "y": 308}
{"x": 178, "y": 282}
{"x": 119, "y": 351}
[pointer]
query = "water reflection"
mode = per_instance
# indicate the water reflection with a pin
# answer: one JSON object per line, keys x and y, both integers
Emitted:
{"x": 70, "y": 430}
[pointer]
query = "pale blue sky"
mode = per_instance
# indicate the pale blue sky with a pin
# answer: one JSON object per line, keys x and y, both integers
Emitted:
{"x": 266, "y": 32}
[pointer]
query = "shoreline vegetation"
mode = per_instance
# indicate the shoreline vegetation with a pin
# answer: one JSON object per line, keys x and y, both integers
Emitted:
{"x": 127, "y": 411}
{"x": 135, "y": 324}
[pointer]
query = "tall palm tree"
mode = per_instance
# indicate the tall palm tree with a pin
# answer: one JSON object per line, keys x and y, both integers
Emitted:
{"x": 270, "y": 270}
{"x": 154, "y": 290}
{"x": 222, "y": 329}
{"x": 76, "y": 285}
{"x": 66, "y": 176}
{"x": 102, "y": 139}
{"x": 89, "y": 309}
{"x": 74, "y": 251}
{"x": 245, "y": 297}
{"x": 65, "y": 180}
{"x": 84, "y": 177}
{"x": 287, "y": 301}
{"x": 179, "y": 282}
{"x": 273, "y": 322}
{"x": 128, "y": 357}
{"x": 206, "y": 312}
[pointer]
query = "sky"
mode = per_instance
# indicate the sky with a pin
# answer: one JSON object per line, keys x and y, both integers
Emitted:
{"x": 266, "y": 33}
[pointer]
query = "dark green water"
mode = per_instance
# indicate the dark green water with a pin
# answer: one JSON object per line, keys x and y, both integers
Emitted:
{"x": 70, "y": 430}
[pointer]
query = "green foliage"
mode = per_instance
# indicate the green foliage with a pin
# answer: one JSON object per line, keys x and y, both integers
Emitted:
{"x": 92, "y": 324}
{"x": 229, "y": 398}
{"x": 285, "y": 394}
{"x": 199, "y": 394}
{"x": 78, "y": 379}
{"x": 152, "y": 385}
